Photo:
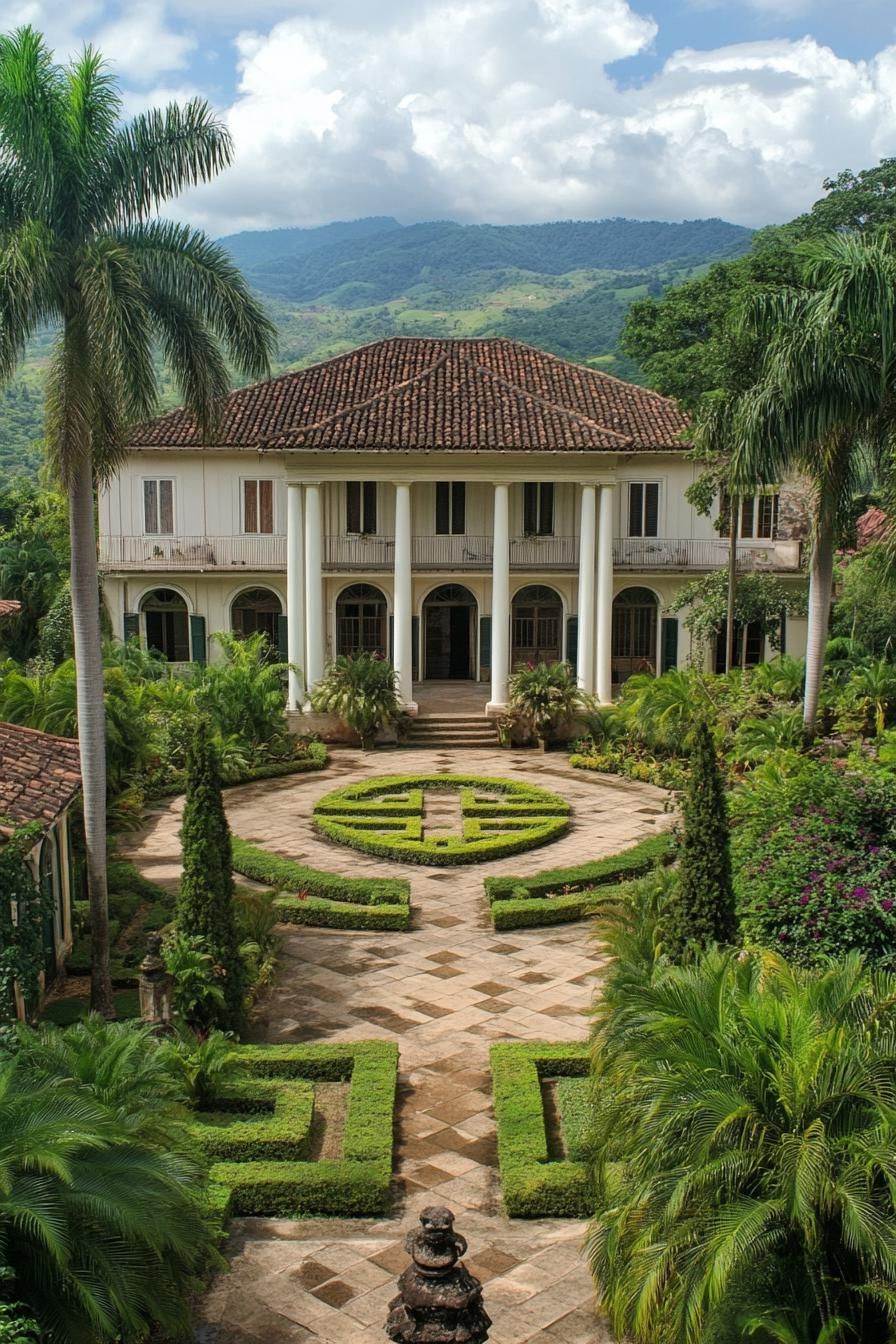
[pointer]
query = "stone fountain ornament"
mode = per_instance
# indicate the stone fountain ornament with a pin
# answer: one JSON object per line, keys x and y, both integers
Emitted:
{"x": 438, "y": 1301}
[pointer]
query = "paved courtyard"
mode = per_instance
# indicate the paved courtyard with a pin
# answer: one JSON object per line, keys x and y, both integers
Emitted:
{"x": 444, "y": 991}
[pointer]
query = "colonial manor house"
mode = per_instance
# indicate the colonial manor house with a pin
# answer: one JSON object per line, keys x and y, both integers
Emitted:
{"x": 458, "y": 505}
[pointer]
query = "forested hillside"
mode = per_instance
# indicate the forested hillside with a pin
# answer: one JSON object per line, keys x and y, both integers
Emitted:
{"x": 565, "y": 287}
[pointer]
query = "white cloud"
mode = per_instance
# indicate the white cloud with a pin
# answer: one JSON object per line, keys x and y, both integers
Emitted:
{"x": 503, "y": 110}
{"x": 140, "y": 45}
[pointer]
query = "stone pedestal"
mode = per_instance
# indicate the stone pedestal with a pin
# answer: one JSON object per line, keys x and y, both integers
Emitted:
{"x": 438, "y": 1301}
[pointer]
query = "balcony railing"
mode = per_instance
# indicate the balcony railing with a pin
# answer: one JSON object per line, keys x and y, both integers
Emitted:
{"x": 372, "y": 554}
{"x": 252, "y": 551}
{"x": 662, "y": 553}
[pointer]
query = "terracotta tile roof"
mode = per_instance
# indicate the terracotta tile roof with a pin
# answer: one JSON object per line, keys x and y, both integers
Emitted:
{"x": 39, "y": 774}
{"x": 874, "y": 525}
{"x": 9, "y": 607}
{"x": 419, "y": 394}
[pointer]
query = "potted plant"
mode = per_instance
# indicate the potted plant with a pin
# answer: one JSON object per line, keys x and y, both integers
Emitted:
{"x": 505, "y": 726}
{"x": 359, "y": 688}
{"x": 543, "y": 696}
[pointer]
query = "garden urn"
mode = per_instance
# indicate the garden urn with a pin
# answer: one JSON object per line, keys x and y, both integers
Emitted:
{"x": 439, "y": 1301}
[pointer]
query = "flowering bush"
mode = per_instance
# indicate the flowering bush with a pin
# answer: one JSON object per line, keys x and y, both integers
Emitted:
{"x": 814, "y": 849}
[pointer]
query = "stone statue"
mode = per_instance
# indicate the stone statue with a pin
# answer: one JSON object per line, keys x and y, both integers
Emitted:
{"x": 438, "y": 1301}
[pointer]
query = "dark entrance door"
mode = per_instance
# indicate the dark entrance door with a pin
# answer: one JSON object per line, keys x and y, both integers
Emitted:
{"x": 448, "y": 634}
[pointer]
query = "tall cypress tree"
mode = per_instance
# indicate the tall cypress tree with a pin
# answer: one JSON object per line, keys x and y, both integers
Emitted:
{"x": 205, "y": 905}
{"x": 702, "y": 911}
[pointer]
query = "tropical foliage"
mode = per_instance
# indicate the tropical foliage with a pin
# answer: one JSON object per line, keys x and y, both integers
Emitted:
{"x": 743, "y": 1142}
{"x": 545, "y": 698}
{"x": 360, "y": 689}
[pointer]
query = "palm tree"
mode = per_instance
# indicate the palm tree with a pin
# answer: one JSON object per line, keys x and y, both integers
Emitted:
{"x": 745, "y": 1141}
{"x": 823, "y": 400}
{"x": 101, "y": 1229}
{"x": 81, "y": 247}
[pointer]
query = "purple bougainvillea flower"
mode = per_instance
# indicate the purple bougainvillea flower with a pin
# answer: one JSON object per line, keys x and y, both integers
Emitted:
{"x": 804, "y": 899}
{"x": 886, "y": 904}
{"x": 861, "y": 893}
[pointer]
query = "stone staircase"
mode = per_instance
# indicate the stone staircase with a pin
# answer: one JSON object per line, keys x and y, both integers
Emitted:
{"x": 452, "y": 730}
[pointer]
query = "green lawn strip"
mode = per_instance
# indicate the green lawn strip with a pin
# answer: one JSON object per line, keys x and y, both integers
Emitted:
{"x": 65, "y": 1012}
{"x": 532, "y": 1185}
{"x": 358, "y": 1183}
{"x": 576, "y": 1116}
{"x": 561, "y": 895}
{"x": 326, "y": 900}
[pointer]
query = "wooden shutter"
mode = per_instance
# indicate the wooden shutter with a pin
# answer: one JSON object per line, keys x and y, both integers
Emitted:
{"x": 443, "y": 510}
{"x": 485, "y": 643}
{"x": 131, "y": 625}
{"x": 546, "y": 509}
{"x": 368, "y": 523}
{"x": 651, "y": 509}
{"x": 415, "y": 648}
{"x": 458, "y": 508}
{"x": 197, "y": 638}
{"x": 747, "y": 510}
{"x": 265, "y": 506}
{"x": 635, "y": 509}
{"x": 166, "y": 507}
{"x": 572, "y": 642}
{"x": 530, "y": 508}
{"x": 150, "y": 506}
{"x": 282, "y": 642}
{"x": 669, "y": 647}
{"x": 353, "y": 506}
{"x": 250, "y": 506}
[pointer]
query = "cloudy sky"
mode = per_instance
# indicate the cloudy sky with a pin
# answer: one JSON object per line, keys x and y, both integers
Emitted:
{"x": 507, "y": 110}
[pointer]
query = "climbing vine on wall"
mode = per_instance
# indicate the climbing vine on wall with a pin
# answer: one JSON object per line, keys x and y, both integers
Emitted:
{"x": 23, "y": 910}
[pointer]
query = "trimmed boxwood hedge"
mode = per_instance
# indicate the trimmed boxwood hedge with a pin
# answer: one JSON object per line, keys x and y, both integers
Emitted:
{"x": 561, "y": 895}
{"x": 326, "y": 900}
{"x": 356, "y": 1185}
{"x": 359, "y": 817}
{"x": 267, "y": 1118}
{"x": 532, "y": 1185}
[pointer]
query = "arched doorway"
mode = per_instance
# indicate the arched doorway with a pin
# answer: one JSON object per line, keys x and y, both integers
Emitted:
{"x": 537, "y": 626}
{"x": 449, "y": 634}
{"x": 167, "y": 624}
{"x": 361, "y": 622}
{"x": 255, "y": 611}
{"x": 635, "y": 622}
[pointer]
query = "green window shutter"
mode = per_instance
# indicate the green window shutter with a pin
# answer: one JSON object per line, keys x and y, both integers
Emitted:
{"x": 197, "y": 639}
{"x": 282, "y": 644}
{"x": 485, "y": 643}
{"x": 415, "y": 648}
{"x": 131, "y": 625}
{"x": 669, "y": 656}
{"x": 572, "y": 642}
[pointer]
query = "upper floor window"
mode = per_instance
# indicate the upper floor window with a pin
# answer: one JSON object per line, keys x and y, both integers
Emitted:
{"x": 538, "y": 508}
{"x": 258, "y": 506}
{"x": 451, "y": 500}
{"x": 757, "y": 516}
{"x": 158, "y": 506}
{"x": 360, "y": 506}
{"x": 643, "y": 508}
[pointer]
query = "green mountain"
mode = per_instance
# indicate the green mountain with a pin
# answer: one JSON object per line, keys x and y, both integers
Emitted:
{"x": 564, "y": 287}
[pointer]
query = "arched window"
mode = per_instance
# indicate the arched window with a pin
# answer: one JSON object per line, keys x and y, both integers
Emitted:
{"x": 361, "y": 625}
{"x": 167, "y": 624}
{"x": 635, "y": 620}
{"x": 256, "y": 610}
{"x": 537, "y": 626}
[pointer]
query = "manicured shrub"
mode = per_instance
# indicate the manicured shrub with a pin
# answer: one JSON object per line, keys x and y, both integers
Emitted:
{"x": 532, "y": 1185}
{"x": 326, "y": 900}
{"x": 360, "y": 817}
{"x": 266, "y": 1120}
{"x": 356, "y": 1185}
{"x": 701, "y": 909}
{"x": 544, "y": 697}
{"x": 205, "y": 907}
{"x": 562, "y": 895}
{"x": 575, "y": 1104}
{"x": 359, "y": 688}
{"x": 814, "y": 850}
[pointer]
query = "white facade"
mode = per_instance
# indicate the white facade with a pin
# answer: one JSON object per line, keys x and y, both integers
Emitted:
{"x": 560, "y": 522}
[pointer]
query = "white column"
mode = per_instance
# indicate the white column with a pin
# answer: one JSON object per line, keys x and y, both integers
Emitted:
{"x": 587, "y": 561}
{"x": 500, "y": 600}
{"x": 603, "y": 660}
{"x": 295, "y": 594}
{"x": 315, "y": 641}
{"x": 403, "y": 601}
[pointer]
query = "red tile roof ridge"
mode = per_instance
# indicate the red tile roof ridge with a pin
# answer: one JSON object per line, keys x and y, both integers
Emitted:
{"x": 39, "y": 732}
{"x": 295, "y": 437}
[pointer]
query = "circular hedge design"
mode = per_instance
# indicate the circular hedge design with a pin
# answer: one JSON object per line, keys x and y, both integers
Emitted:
{"x": 396, "y": 816}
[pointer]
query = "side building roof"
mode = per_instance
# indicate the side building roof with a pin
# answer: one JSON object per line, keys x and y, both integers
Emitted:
{"x": 413, "y": 394}
{"x": 39, "y": 774}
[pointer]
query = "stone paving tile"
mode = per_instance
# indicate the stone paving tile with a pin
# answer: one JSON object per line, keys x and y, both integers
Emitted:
{"x": 444, "y": 991}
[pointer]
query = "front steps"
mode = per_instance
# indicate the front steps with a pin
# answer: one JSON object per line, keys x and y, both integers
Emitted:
{"x": 451, "y": 730}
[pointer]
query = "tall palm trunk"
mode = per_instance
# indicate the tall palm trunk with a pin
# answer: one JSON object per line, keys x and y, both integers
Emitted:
{"x": 91, "y": 723}
{"x": 733, "y": 522}
{"x": 821, "y": 583}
